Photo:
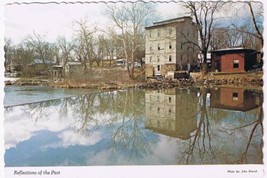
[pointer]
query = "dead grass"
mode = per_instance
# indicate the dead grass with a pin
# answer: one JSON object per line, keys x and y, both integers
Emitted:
{"x": 103, "y": 76}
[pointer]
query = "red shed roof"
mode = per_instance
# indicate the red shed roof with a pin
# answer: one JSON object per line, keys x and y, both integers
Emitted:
{"x": 232, "y": 50}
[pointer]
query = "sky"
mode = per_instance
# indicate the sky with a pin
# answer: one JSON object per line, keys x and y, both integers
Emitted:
{"x": 53, "y": 20}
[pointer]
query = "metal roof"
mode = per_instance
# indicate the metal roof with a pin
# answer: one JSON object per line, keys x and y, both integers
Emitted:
{"x": 169, "y": 21}
{"x": 233, "y": 49}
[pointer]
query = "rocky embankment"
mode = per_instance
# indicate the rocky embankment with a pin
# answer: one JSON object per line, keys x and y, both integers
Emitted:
{"x": 244, "y": 80}
{"x": 21, "y": 82}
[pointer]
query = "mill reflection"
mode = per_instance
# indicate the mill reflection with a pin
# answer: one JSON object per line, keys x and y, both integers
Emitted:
{"x": 238, "y": 99}
{"x": 172, "y": 112}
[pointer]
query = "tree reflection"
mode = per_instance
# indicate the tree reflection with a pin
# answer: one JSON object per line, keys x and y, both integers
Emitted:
{"x": 200, "y": 141}
{"x": 127, "y": 124}
{"x": 201, "y": 129}
{"x": 213, "y": 124}
{"x": 39, "y": 111}
{"x": 84, "y": 110}
{"x": 255, "y": 125}
{"x": 120, "y": 112}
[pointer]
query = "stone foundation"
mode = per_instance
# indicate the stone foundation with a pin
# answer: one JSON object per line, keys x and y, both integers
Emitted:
{"x": 168, "y": 69}
{"x": 149, "y": 70}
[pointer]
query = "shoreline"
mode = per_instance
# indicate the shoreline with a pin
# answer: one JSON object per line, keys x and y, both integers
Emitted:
{"x": 246, "y": 80}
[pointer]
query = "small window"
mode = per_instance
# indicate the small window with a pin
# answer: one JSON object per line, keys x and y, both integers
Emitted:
{"x": 235, "y": 96}
{"x": 236, "y": 64}
{"x": 158, "y": 59}
{"x": 158, "y": 46}
{"x": 170, "y": 99}
{"x": 158, "y": 67}
{"x": 170, "y": 58}
{"x": 170, "y": 45}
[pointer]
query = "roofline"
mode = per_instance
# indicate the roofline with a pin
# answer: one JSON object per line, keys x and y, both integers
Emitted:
{"x": 170, "y": 20}
{"x": 233, "y": 49}
{"x": 166, "y": 22}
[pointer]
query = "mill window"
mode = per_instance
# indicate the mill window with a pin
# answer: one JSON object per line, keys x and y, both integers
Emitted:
{"x": 236, "y": 64}
{"x": 170, "y": 45}
{"x": 158, "y": 67}
{"x": 170, "y": 58}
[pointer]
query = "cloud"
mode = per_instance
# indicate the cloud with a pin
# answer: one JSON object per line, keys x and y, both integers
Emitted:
{"x": 20, "y": 126}
{"x": 72, "y": 138}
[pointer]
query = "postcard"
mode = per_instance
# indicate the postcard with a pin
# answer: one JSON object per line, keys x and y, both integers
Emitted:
{"x": 132, "y": 89}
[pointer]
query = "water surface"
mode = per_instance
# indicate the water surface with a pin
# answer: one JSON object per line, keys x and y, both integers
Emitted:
{"x": 137, "y": 127}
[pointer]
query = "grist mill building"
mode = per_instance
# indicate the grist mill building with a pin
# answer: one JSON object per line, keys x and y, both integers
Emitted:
{"x": 170, "y": 47}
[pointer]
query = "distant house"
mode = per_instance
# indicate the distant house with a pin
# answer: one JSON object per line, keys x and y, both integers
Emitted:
{"x": 73, "y": 68}
{"x": 57, "y": 72}
{"x": 169, "y": 46}
{"x": 233, "y": 59}
{"x": 237, "y": 99}
{"x": 39, "y": 66}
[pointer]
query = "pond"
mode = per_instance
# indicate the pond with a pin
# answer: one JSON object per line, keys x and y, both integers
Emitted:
{"x": 189, "y": 126}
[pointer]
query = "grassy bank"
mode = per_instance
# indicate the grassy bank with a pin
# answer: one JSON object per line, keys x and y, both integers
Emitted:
{"x": 102, "y": 78}
{"x": 118, "y": 78}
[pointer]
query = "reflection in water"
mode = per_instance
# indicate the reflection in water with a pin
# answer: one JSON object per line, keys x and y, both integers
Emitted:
{"x": 234, "y": 99}
{"x": 172, "y": 112}
{"x": 135, "y": 127}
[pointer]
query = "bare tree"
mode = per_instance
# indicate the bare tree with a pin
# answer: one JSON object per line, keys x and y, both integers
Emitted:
{"x": 251, "y": 28}
{"x": 99, "y": 49}
{"x": 111, "y": 45}
{"x": 203, "y": 13}
{"x": 84, "y": 43}
{"x": 255, "y": 17}
{"x": 46, "y": 52}
{"x": 219, "y": 38}
{"x": 22, "y": 56}
{"x": 130, "y": 18}
{"x": 65, "y": 48}
{"x": 8, "y": 53}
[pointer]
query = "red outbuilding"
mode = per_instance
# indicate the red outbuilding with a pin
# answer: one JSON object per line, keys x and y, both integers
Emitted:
{"x": 233, "y": 60}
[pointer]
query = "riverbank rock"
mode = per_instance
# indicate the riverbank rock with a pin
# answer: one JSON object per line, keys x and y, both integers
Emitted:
{"x": 23, "y": 82}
